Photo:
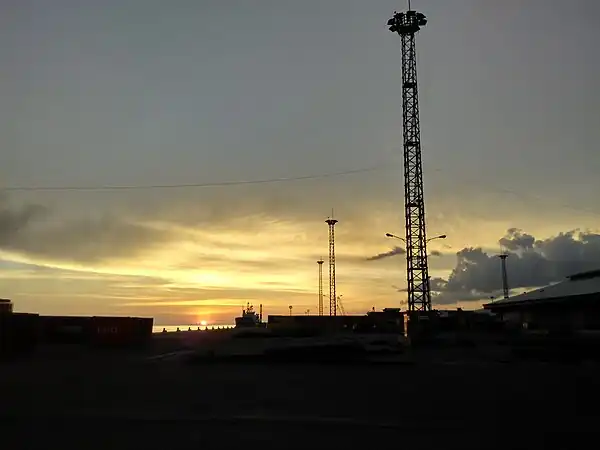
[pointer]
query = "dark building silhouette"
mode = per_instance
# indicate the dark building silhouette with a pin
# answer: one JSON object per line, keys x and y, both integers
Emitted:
{"x": 571, "y": 305}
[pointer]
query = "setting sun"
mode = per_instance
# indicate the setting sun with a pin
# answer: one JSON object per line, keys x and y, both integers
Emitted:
{"x": 203, "y": 323}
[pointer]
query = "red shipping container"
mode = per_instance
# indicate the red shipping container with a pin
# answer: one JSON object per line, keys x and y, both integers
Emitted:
{"x": 120, "y": 331}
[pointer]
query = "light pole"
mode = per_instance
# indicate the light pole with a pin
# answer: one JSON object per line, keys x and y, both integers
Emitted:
{"x": 441, "y": 236}
{"x": 390, "y": 235}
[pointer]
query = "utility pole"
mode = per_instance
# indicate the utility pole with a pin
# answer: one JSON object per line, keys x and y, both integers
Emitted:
{"x": 407, "y": 24}
{"x": 505, "y": 289}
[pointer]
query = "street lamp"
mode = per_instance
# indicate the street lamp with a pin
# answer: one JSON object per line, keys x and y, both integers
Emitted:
{"x": 441, "y": 236}
{"x": 390, "y": 235}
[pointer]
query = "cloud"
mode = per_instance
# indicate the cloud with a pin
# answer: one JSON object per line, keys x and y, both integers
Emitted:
{"x": 242, "y": 249}
{"x": 91, "y": 228}
{"x": 15, "y": 221}
{"x": 393, "y": 252}
{"x": 36, "y": 231}
{"x": 531, "y": 263}
{"x": 399, "y": 251}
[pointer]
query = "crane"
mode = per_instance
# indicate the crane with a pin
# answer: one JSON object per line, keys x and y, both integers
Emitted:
{"x": 340, "y": 306}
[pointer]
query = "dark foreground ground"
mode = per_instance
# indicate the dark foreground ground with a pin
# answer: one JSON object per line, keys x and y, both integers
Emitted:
{"x": 127, "y": 402}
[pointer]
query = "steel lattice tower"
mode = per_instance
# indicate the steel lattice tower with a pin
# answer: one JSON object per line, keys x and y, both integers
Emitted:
{"x": 320, "y": 263}
{"x": 332, "y": 297}
{"x": 407, "y": 24}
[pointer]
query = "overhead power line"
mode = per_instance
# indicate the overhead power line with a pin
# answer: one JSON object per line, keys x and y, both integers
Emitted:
{"x": 521, "y": 195}
{"x": 465, "y": 179}
{"x": 193, "y": 185}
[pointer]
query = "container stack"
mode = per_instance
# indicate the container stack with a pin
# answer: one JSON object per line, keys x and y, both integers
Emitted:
{"x": 6, "y": 306}
{"x": 98, "y": 331}
{"x": 19, "y": 334}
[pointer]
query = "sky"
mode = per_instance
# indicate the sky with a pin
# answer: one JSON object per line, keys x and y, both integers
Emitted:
{"x": 148, "y": 93}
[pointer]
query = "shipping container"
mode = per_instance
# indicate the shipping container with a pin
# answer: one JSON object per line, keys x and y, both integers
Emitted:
{"x": 19, "y": 334}
{"x": 120, "y": 331}
{"x": 109, "y": 331}
{"x": 6, "y": 306}
{"x": 65, "y": 329}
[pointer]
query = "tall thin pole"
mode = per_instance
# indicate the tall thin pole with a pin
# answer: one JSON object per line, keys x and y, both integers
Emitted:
{"x": 505, "y": 289}
{"x": 332, "y": 297}
{"x": 407, "y": 24}
{"x": 320, "y": 263}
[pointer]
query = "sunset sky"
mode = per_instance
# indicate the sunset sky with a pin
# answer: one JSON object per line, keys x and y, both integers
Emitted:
{"x": 148, "y": 92}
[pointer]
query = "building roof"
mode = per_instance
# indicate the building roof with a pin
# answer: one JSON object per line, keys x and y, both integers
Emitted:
{"x": 586, "y": 283}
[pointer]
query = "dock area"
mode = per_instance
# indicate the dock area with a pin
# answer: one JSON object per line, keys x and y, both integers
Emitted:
{"x": 122, "y": 400}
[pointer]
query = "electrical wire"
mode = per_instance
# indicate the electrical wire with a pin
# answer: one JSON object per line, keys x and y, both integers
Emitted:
{"x": 193, "y": 185}
{"x": 486, "y": 185}
{"x": 388, "y": 165}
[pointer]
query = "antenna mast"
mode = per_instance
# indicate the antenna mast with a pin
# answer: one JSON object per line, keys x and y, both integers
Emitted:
{"x": 332, "y": 297}
{"x": 407, "y": 24}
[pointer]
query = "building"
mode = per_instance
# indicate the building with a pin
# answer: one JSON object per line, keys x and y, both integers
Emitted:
{"x": 570, "y": 305}
{"x": 390, "y": 320}
{"x": 306, "y": 325}
{"x": 6, "y": 305}
{"x": 467, "y": 321}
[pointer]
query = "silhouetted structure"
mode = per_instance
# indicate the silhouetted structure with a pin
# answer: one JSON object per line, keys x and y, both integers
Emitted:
{"x": 505, "y": 289}
{"x": 103, "y": 331}
{"x": 320, "y": 263}
{"x": 570, "y": 305}
{"x": 249, "y": 318}
{"x": 389, "y": 320}
{"x": 19, "y": 334}
{"x": 332, "y": 295}
{"x": 407, "y": 24}
{"x": 6, "y": 305}
{"x": 340, "y": 305}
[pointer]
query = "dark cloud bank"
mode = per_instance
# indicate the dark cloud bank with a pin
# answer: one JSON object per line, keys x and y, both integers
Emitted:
{"x": 393, "y": 252}
{"x": 397, "y": 251}
{"x": 531, "y": 263}
{"x": 34, "y": 230}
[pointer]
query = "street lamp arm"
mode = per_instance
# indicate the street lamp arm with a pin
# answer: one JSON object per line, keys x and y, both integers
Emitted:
{"x": 441, "y": 236}
{"x": 390, "y": 235}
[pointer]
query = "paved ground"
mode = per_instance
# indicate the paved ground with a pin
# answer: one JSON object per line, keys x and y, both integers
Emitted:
{"x": 115, "y": 402}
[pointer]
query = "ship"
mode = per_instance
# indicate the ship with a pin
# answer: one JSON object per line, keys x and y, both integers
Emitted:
{"x": 249, "y": 318}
